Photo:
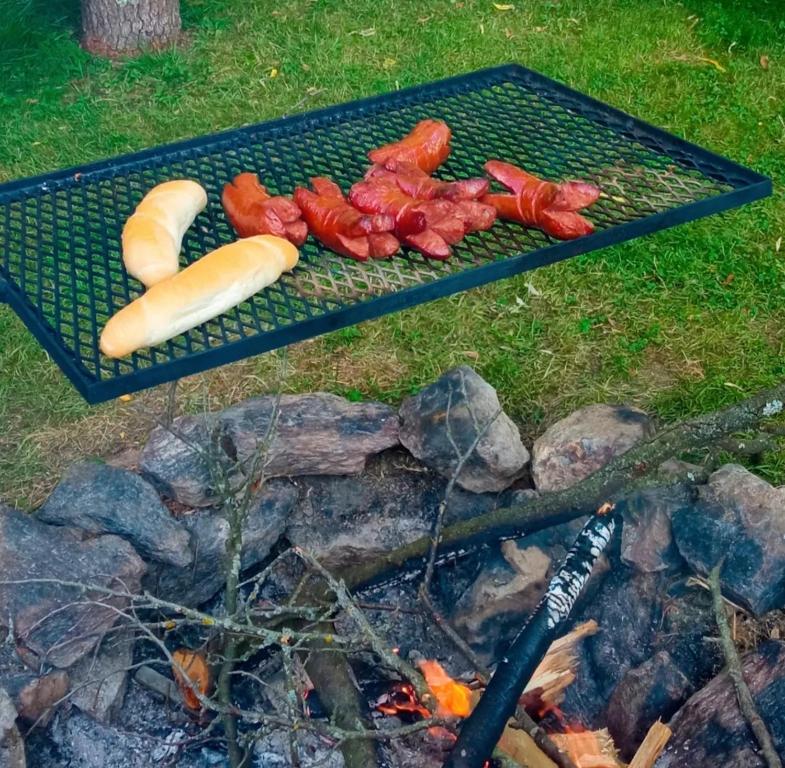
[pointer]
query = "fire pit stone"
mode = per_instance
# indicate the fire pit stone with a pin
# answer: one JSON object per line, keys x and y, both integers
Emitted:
{"x": 316, "y": 434}
{"x": 647, "y": 540}
{"x": 653, "y": 690}
{"x": 199, "y": 581}
{"x": 98, "y": 498}
{"x": 585, "y": 441}
{"x": 741, "y": 518}
{"x": 30, "y": 549}
{"x": 347, "y": 520}
{"x": 99, "y": 680}
{"x": 504, "y": 591}
{"x": 35, "y": 696}
{"x": 439, "y": 438}
{"x": 709, "y": 730}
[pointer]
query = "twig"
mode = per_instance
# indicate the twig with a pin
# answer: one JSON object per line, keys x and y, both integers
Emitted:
{"x": 344, "y": 599}
{"x": 743, "y": 694}
{"x": 171, "y": 401}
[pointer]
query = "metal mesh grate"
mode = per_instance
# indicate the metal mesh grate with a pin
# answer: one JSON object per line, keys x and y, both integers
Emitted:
{"x": 60, "y": 233}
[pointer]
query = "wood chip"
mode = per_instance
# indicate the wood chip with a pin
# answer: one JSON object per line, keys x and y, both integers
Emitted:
{"x": 651, "y": 747}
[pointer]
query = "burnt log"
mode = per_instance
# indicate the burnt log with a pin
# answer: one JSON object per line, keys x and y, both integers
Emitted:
{"x": 710, "y": 730}
{"x": 482, "y": 730}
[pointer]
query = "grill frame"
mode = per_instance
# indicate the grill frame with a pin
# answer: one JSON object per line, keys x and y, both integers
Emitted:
{"x": 744, "y": 185}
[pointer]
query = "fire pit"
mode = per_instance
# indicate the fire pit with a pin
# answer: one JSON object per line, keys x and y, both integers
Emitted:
{"x": 60, "y": 265}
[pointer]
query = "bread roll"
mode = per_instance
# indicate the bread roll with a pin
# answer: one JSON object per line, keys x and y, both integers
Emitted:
{"x": 218, "y": 281}
{"x": 153, "y": 234}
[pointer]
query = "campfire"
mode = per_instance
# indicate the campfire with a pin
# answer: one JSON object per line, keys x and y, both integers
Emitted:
{"x": 365, "y": 613}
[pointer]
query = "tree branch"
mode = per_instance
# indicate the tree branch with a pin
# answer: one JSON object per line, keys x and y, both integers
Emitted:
{"x": 743, "y": 693}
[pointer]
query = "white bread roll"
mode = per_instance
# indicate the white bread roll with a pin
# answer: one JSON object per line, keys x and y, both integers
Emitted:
{"x": 153, "y": 234}
{"x": 217, "y": 282}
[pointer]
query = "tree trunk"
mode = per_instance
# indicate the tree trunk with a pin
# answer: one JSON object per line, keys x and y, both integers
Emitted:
{"x": 111, "y": 27}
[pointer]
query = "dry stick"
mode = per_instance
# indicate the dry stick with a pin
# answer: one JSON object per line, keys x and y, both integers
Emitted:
{"x": 238, "y": 515}
{"x": 630, "y": 471}
{"x": 743, "y": 694}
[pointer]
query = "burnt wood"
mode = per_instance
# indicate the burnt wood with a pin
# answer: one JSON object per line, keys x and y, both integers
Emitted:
{"x": 481, "y": 731}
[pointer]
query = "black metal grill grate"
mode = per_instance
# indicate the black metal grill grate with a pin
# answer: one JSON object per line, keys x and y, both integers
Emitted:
{"x": 60, "y": 260}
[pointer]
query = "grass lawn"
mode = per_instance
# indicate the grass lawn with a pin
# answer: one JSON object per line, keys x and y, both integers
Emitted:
{"x": 679, "y": 323}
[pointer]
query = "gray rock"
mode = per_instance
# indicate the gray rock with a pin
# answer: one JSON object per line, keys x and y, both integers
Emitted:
{"x": 12, "y": 748}
{"x": 351, "y": 520}
{"x": 36, "y": 696}
{"x": 500, "y": 456}
{"x": 319, "y": 434}
{"x": 99, "y": 680}
{"x": 741, "y": 518}
{"x": 199, "y": 581}
{"x": 628, "y": 609}
{"x": 709, "y": 730}
{"x": 502, "y": 592}
{"x": 646, "y": 540}
{"x": 585, "y": 441}
{"x": 267, "y": 520}
{"x": 98, "y": 498}
{"x": 54, "y": 623}
{"x": 652, "y": 691}
{"x": 172, "y": 462}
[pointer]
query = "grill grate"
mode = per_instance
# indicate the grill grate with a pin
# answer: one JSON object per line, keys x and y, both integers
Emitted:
{"x": 60, "y": 262}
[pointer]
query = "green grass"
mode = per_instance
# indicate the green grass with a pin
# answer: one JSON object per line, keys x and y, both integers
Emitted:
{"x": 680, "y": 323}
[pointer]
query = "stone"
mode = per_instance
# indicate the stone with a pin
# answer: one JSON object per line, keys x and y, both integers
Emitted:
{"x": 504, "y": 592}
{"x": 209, "y": 534}
{"x": 267, "y": 520}
{"x": 54, "y": 624}
{"x": 741, "y": 518}
{"x": 316, "y": 434}
{"x": 646, "y": 539}
{"x": 627, "y": 607}
{"x": 98, "y": 498}
{"x": 654, "y": 690}
{"x": 172, "y": 462}
{"x": 585, "y": 441}
{"x": 426, "y": 429}
{"x": 99, "y": 680}
{"x": 709, "y": 730}
{"x": 346, "y": 521}
{"x": 12, "y": 748}
{"x": 688, "y": 631}
{"x": 197, "y": 583}
{"x": 36, "y": 696}
{"x": 319, "y": 434}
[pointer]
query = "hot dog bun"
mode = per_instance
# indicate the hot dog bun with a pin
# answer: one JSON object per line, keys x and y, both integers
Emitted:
{"x": 217, "y": 282}
{"x": 153, "y": 234}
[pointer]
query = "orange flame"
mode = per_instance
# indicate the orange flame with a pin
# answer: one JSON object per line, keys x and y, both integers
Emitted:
{"x": 454, "y": 699}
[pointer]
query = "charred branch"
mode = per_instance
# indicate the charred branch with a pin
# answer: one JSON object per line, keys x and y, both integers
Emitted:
{"x": 481, "y": 731}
